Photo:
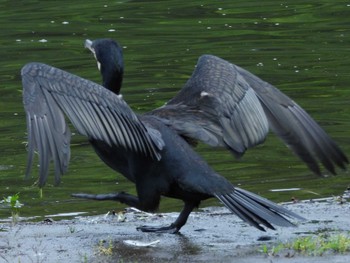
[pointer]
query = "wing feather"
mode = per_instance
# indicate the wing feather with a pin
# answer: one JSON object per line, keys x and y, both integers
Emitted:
{"x": 50, "y": 93}
{"x": 225, "y": 105}
{"x": 217, "y": 106}
{"x": 296, "y": 127}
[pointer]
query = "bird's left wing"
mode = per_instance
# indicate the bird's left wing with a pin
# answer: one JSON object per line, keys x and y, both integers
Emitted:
{"x": 50, "y": 93}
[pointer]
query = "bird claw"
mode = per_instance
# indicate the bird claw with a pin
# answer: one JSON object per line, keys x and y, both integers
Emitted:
{"x": 171, "y": 229}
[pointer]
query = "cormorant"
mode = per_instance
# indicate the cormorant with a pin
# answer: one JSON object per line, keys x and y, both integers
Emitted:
{"x": 221, "y": 105}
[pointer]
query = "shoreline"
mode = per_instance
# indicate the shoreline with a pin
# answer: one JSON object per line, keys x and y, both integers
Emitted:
{"x": 211, "y": 234}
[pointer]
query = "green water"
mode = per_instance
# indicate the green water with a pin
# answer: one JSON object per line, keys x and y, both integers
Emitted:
{"x": 302, "y": 47}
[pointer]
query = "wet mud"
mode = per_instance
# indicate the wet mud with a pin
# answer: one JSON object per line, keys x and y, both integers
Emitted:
{"x": 210, "y": 235}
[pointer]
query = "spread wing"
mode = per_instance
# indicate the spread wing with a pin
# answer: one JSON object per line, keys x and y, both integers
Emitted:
{"x": 218, "y": 107}
{"x": 225, "y": 105}
{"x": 296, "y": 128}
{"x": 50, "y": 94}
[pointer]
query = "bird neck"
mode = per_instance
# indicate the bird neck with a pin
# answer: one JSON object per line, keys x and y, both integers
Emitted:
{"x": 114, "y": 82}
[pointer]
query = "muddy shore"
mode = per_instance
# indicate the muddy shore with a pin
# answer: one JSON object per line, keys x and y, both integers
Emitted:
{"x": 211, "y": 235}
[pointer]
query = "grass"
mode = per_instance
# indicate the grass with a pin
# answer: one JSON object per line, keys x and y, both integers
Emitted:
{"x": 13, "y": 202}
{"x": 105, "y": 248}
{"x": 312, "y": 245}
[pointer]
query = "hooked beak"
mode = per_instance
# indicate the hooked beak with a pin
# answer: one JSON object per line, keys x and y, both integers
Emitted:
{"x": 88, "y": 45}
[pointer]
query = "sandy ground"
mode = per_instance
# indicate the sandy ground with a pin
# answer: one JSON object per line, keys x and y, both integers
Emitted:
{"x": 210, "y": 235}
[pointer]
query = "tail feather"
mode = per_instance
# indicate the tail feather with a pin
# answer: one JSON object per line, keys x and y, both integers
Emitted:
{"x": 256, "y": 210}
{"x": 245, "y": 214}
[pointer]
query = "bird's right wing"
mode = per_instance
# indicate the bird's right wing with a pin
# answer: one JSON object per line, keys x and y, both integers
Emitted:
{"x": 218, "y": 107}
{"x": 224, "y": 105}
{"x": 50, "y": 93}
{"x": 296, "y": 127}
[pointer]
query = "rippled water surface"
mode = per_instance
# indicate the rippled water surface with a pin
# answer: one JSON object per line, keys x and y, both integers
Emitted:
{"x": 302, "y": 47}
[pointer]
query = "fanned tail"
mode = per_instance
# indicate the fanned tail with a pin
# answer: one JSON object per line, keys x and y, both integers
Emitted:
{"x": 256, "y": 210}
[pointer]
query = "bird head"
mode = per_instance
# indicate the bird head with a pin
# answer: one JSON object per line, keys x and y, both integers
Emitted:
{"x": 109, "y": 56}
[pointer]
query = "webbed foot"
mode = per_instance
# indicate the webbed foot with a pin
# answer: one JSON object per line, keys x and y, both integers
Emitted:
{"x": 170, "y": 229}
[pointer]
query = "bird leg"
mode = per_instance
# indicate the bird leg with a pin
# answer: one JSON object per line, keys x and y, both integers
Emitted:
{"x": 174, "y": 227}
{"x": 133, "y": 201}
{"x": 121, "y": 197}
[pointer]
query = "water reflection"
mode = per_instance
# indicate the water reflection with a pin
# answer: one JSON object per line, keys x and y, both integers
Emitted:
{"x": 300, "y": 47}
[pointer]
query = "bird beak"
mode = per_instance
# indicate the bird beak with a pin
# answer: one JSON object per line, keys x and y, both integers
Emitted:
{"x": 88, "y": 45}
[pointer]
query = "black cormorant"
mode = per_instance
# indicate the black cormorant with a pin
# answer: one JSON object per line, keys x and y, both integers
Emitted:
{"x": 220, "y": 105}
